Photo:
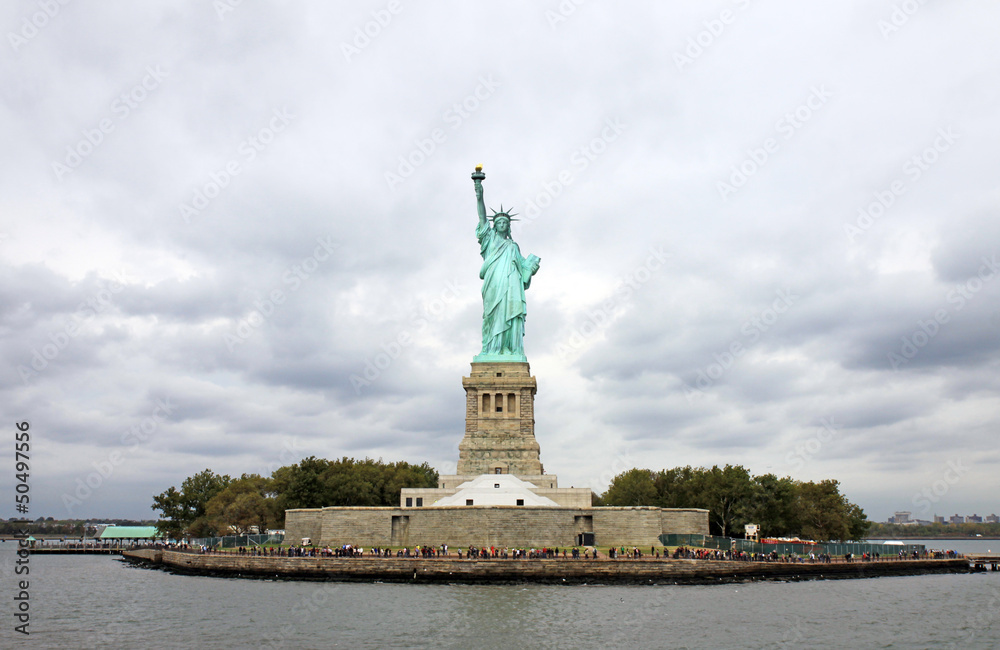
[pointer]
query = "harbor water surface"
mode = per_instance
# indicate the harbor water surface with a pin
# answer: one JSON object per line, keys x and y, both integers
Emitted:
{"x": 101, "y": 601}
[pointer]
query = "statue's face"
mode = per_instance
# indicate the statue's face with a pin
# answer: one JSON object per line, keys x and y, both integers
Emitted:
{"x": 502, "y": 226}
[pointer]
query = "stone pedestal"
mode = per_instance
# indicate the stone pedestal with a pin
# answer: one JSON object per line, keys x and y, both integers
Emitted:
{"x": 499, "y": 421}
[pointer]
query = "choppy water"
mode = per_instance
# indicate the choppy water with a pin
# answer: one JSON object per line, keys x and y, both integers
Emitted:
{"x": 91, "y": 602}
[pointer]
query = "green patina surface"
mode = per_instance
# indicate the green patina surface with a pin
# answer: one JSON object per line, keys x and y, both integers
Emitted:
{"x": 506, "y": 274}
{"x": 129, "y": 532}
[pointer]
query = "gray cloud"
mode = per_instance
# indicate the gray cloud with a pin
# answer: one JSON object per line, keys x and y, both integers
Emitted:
{"x": 260, "y": 134}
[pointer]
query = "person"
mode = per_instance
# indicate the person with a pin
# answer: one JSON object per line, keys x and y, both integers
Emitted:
{"x": 505, "y": 274}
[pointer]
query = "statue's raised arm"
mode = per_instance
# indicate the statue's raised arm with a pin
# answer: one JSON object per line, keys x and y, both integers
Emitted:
{"x": 477, "y": 179}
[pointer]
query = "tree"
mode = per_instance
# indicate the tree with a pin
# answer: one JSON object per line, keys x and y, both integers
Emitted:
{"x": 173, "y": 515}
{"x": 244, "y": 504}
{"x": 728, "y": 494}
{"x": 774, "y": 508}
{"x": 299, "y": 485}
{"x": 184, "y": 511}
{"x": 675, "y": 488}
{"x": 733, "y": 497}
{"x": 858, "y": 525}
{"x": 316, "y": 482}
{"x": 827, "y": 515}
{"x": 632, "y": 488}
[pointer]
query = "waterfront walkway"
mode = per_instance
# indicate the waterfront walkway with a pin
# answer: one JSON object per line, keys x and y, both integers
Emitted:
{"x": 980, "y": 561}
{"x": 547, "y": 570}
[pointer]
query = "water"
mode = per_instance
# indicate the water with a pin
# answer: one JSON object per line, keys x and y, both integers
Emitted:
{"x": 99, "y": 601}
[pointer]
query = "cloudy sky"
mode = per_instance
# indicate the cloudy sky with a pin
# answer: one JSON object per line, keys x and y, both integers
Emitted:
{"x": 234, "y": 235}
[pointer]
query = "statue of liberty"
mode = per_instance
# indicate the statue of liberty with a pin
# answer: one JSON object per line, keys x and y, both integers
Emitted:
{"x": 505, "y": 275}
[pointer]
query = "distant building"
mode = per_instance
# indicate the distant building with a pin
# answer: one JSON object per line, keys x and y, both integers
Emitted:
{"x": 973, "y": 519}
{"x": 939, "y": 519}
{"x": 956, "y": 519}
{"x": 992, "y": 519}
{"x": 901, "y": 518}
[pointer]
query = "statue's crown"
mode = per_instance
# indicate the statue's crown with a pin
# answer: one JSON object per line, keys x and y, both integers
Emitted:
{"x": 502, "y": 214}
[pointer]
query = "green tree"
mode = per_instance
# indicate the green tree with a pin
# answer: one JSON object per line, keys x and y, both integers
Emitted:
{"x": 184, "y": 511}
{"x": 632, "y": 488}
{"x": 858, "y": 525}
{"x": 300, "y": 485}
{"x": 315, "y": 482}
{"x": 733, "y": 497}
{"x": 775, "y": 506}
{"x": 245, "y": 504}
{"x": 728, "y": 493}
{"x": 675, "y": 488}
{"x": 825, "y": 514}
{"x": 173, "y": 514}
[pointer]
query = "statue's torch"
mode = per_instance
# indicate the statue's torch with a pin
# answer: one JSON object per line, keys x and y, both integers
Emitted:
{"x": 478, "y": 176}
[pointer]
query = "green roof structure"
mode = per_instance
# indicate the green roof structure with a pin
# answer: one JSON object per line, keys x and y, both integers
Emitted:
{"x": 129, "y": 532}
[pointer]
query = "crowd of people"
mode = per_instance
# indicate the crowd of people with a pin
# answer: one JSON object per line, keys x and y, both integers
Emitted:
{"x": 682, "y": 552}
{"x": 504, "y": 553}
{"x": 812, "y": 557}
{"x": 545, "y": 553}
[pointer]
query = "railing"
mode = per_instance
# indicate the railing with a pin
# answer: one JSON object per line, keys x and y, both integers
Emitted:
{"x": 236, "y": 541}
{"x": 831, "y": 548}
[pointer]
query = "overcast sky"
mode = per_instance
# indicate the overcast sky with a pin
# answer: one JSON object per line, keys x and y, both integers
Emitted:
{"x": 233, "y": 236}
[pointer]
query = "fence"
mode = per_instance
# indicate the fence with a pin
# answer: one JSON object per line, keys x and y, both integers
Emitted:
{"x": 748, "y": 546}
{"x": 234, "y": 541}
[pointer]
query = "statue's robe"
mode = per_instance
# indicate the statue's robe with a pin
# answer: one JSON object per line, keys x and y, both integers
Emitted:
{"x": 505, "y": 276}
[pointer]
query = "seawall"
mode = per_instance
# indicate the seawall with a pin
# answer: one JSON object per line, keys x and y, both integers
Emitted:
{"x": 561, "y": 571}
{"x": 514, "y": 526}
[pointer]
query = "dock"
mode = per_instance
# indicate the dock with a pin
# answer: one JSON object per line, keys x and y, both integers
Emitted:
{"x": 69, "y": 550}
{"x": 979, "y": 561}
{"x": 647, "y": 571}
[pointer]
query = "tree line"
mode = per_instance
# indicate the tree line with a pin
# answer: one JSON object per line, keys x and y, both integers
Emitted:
{"x": 209, "y": 504}
{"x": 780, "y": 506}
